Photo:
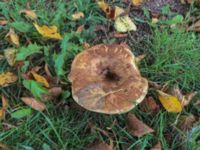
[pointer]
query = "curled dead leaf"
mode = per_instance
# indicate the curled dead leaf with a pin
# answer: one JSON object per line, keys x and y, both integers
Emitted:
{"x": 48, "y": 32}
{"x": 78, "y": 15}
{"x": 12, "y": 37}
{"x": 169, "y": 102}
{"x": 195, "y": 27}
{"x": 10, "y": 55}
{"x": 186, "y": 122}
{"x": 149, "y": 105}
{"x": 7, "y": 78}
{"x": 80, "y": 29}
{"x": 33, "y": 103}
{"x": 40, "y": 79}
{"x": 52, "y": 93}
{"x": 4, "y": 107}
{"x": 29, "y": 13}
{"x": 136, "y": 127}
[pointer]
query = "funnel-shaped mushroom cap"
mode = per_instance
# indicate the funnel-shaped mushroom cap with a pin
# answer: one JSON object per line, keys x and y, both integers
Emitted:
{"x": 106, "y": 79}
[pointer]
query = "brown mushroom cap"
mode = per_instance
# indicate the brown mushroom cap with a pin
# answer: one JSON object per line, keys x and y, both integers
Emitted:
{"x": 105, "y": 79}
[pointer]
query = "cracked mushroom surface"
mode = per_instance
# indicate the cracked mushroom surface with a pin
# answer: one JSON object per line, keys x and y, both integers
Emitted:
{"x": 105, "y": 79}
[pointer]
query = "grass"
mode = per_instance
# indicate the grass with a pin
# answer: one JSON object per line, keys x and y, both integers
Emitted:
{"x": 172, "y": 57}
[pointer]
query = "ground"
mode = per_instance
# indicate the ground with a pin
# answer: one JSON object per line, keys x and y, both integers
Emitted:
{"x": 172, "y": 57}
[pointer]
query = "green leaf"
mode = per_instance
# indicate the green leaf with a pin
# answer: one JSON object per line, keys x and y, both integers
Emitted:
{"x": 21, "y": 113}
{"x": 35, "y": 88}
{"x": 24, "y": 52}
{"x": 21, "y": 26}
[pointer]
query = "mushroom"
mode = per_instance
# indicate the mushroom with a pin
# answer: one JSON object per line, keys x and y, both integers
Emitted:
{"x": 105, "y": 79}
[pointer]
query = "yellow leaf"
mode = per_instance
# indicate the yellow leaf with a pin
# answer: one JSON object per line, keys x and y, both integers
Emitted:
{"x": 29, "y": 13}
{"x": 118, "y": 11}
{"x": 124, "y": 24}
{"x": 48, "y": 32}
{"x": 33, "y": 103}
{"x": 77, "y": 15}
{"x": 137, "y": 2}
{"x": 169, "y": 102}
{"x": 40, "y": 79}
{"x": 7, "y": 78}
{"x": 10, "y": 55}
{"x": 103, "y": 5}
{"x": 12, "y": 37}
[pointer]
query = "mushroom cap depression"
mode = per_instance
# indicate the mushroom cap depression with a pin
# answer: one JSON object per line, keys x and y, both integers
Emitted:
{"x": 105, "y": 79}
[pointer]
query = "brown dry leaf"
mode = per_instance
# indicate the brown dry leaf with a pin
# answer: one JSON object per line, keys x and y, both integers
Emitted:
{"x": 137, "y": 127}
{"x": 3, "y": 22}
{"x": 33, "y": 103}
{"x": 101, "y": 146}
{"x": 120, "y": 35}
{"x": 4, "y": 146}
{"x": 47, "y": 71}
{"x": 48, "y": 32}
{"x": 12, "y": 37}
{"x": 52, "y": 93}
{"x": 78, "y": 15}
{"x": 108, "y": 10}
{"x": 80, "y": 29}
{"x": 29, "y": 13}
{"x": 40, "y": 79}
{"x": 10, "y": 55}
{"x": 157, "y": 147}
{"x": 149, "y": 105}
{"x": 184, "y": 99}
{"x": 4, "y": 107}
{"x": 169, "y": 102}
{"x": 195, "y": 27}
{"x": 186, "y": 122}
{"x": 7, "y": 78}
{"x": 137, "y": 2}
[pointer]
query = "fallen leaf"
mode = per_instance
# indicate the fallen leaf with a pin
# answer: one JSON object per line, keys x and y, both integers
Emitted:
{"x": 10, "y": 55}
{"x": 47, "y": 71}
{"x": 184, "y": 99}
{"x": 108, "y": 10}
{"x": 29, "y": 13}
{"x": 52, "y": 93}
{"x": 4, "y": 146}
{"x": 7, "y": 78}
{"x": 139, "y": 58}
{"x": 12, "y": 37}
{"x": 35, "y": 88}
{"x": 33, "y": 103}
{"x": 48, "y": 32}
{"x": 118, "y": 12}
{"x": 86, "y": 45}
{"x": 120, "y": 35}
{"x": 101, "y": 146}
{"x": 186, "y": 122}
{"x": 78, "y": 15}
{"x": 40, "y": 79}
{"x": 157, "y": 147}
{"x": 136, "y": 127}
{"x": 21, "y": 113}
{"x": 154, "y": 20}
{"x": 124, "y": 24}
{"x": 195, "y": 27}
{"x": 169, "y": 102}
{"x": 137, "y": 2}
{"x": 4, "y": 107}
{"x": 149, "y": 105}
{"x": 3, "y": 22}
{"x": 80, "y": 29}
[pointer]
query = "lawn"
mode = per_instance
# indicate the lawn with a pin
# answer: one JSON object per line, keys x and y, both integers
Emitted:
{"x": 165, "y": 36}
